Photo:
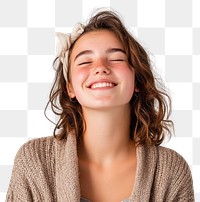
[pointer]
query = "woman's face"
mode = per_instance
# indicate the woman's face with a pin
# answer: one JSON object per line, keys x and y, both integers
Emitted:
{"x": 100, "y": 76}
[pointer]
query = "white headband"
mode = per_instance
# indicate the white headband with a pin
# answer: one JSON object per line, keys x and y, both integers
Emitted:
{"x": 64, "y": 43}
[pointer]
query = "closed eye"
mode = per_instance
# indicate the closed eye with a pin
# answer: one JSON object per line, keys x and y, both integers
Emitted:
{"x": 83, "y": 63}
{"x": 118, "y": 60}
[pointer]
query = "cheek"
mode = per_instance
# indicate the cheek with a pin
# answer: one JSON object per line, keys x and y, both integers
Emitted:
{"x": 128, "y": 74}
{"x": 78, "y": 78}
{"x": 129, "y": 77}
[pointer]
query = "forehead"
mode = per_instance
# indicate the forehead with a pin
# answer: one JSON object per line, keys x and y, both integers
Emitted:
{"x": 101, "y": 39}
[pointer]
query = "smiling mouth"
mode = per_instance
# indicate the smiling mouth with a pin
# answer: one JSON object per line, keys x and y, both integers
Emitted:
{"x": 102, "y": 85}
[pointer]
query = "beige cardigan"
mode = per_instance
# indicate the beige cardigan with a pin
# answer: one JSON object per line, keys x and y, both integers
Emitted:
{"x": 47, "y": 171}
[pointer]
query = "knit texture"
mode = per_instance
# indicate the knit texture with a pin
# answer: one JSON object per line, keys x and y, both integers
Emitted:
{"x": 46, "y": 170}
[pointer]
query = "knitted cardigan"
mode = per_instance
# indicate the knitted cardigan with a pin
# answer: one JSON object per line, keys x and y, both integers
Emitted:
{"x": 46, "y": 170}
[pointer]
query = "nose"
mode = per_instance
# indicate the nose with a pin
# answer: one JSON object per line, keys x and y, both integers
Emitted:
{"x": 101, "y": 68}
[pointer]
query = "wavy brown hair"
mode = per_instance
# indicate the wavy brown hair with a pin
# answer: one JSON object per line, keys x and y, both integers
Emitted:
{"x": 150, "y": 107}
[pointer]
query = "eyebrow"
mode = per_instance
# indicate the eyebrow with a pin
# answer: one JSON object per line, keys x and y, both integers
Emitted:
{"x": 85, "y": 52}
{"x": 113, "y": 50}
{"x": 109, "y": 50}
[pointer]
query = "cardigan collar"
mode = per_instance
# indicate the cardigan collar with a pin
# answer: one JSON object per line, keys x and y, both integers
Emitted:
{"x": 145, "y": 173}
{"x": 67, "y": 174}
{"x": 67, "y": 171}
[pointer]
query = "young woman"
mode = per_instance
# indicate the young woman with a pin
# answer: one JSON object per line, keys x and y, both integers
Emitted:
{"x": 113, "y": 117}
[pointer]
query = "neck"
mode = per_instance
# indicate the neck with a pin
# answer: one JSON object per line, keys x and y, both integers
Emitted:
{"x": 107, "y": 135}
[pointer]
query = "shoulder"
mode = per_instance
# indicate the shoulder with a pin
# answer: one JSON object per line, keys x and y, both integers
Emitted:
{"x": 164, "y": 152}
{"x": 175, "y": 164}
{"x": 177, "y": 173}
{"x": 37, "y": 144}
{"x": 171, "y": 175}
{"x": 33, "y": 170}
{"x": 163, "y": 155}
{"x": 170, "y": 161}
{"x": 37, "y": 149}
{"x": 170, "y": 158}
{"x": 174, "y": 171}
{"x": 168, "y": 165}
{"x": 34, "y": 160}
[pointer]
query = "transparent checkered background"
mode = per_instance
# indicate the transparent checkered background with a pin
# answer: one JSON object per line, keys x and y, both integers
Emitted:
{"x": 169, "y": 30}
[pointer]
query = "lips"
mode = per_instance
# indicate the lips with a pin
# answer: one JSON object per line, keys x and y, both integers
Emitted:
{"x": 102, "y": 84}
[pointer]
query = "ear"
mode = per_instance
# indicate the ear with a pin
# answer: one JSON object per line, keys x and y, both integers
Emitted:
{"x": 70, "y": 90}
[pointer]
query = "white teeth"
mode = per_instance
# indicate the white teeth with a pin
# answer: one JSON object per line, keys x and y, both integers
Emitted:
{"x": 101, "y": 85}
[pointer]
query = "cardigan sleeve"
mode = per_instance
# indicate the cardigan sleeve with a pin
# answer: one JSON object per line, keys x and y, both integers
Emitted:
{"x": 18, "y": 190}
{"x": 173, "y": 179}
{"x": 186, "y": 191}
{"x": 182, "y": 183}
{"x": 33, "y": 175}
